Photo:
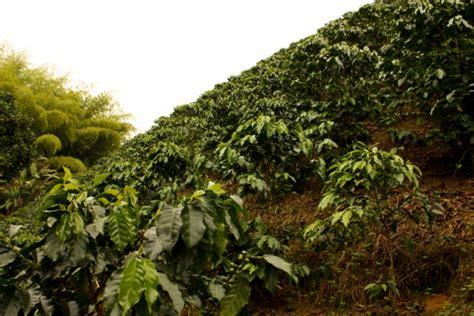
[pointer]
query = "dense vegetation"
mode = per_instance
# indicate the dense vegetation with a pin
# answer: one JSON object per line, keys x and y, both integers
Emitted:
{"x": 16, "y": 138}
{"x": 332, "y": 119}
{"x": 71, "y": 126}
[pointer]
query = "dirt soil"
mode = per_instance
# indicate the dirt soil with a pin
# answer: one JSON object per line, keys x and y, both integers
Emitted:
{"x": 294, "y": 212}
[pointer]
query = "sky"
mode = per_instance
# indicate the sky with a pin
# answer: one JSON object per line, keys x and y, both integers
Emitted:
{"x": 153, "y": 55}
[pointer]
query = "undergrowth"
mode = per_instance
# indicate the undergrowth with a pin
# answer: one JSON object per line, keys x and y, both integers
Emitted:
{"x": 428, "y": 259}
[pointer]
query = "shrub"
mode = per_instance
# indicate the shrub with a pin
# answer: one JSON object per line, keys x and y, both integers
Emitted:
{"x": 363, "y": 192}
{"x": 16, "y": 138}
{"x": 101, "y": 253}
{"x": 73, "y": 164}
{"x": 48, "y": 145}
{"x": 28, "y": 186}
{"x": 56, "y": 119}
{"x": 267, "y": 154}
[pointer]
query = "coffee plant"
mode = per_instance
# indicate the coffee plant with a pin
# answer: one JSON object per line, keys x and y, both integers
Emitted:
{"x": 370, "y": 190}
{"x": 100, "y": 253}
{"x": 144, "y": 232}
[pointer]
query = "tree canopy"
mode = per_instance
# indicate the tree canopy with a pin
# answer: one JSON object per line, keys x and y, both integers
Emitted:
{"x": 66, "y": 121}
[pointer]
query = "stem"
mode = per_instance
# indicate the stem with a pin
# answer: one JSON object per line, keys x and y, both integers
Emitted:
{"x": 389, "y": 243}
{"x": 390, "y": 252}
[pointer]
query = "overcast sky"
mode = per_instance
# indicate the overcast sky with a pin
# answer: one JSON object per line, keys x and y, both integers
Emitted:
{"x": 153, "y": 55}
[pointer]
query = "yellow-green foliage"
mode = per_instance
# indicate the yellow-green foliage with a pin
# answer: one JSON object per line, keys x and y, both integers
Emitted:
{"x": 56, "y": 119}
{"x": 67, "y": 113}
{"x": 86, "y": 138}
{"x": 48, "y": 145}
{"x": 110, "y": 123}
{"x": 73, "y": 164}
{"x": 95, "y": 141}
{"x": 41, "y": 119}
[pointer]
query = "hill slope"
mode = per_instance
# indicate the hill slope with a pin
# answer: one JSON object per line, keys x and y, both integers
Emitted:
{"x": 400, "y": 71}
{"x": 317, "y": 140}
{"x": 398, "y": 74}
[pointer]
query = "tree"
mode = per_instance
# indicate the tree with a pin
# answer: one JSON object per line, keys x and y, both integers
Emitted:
{"x": 67, "y": 121}
{"x": 17, "y": 146}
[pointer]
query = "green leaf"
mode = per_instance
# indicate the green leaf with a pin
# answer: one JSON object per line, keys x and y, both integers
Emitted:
{"x": 369, "y": 169}
{"x": 440, "y": 73}
{"x": 151, "y": 245}
{"x": 120, "y": 226}
{"x": 53, "y": 248}
{"x": 173, "y": 291}
{"x": 81, "y": 197}
{"x": 270, "y": 280}
{"x": 209, "y": 222}
{"x": 358, "y": 165}
{"x": 193, "y": 228}
{"x": 71, "y": 187}
{"x": 216, "y": 188}
{"x": 217, "y": 291}
{"x": 281, "y": 264}
{"x": 50, "y": 221}
{"x": 399, "y": 177}
{"x": 103, "y": 200}
{"x": 96, "y": 228}
{"x": 236, "y": 297}
{"x": 369, "y": 286}
{"x": 98, "y": 179}
{"x": 29, "y": 298}
{"x": 346, "y": 218}
{"x": 64, "y": 228}
{"x": 98, "y": 211}
{"x": 336, "y": 217}
{"x": 327, "y": 200}
{"x": 79, "y": 249}
{"x": 151, "y": 283}
{"x": 13, "y": 230}
{"x": 237, "y": 200}
{"x": 268, "y": 241}
{"x": 326, "y": 143}
{"x": 113, "y": 192}
{"x": 77, "y": 223}
{"x": 6, "y": 257}
{"x": 169, "y": 226}
{"x": 100, "y": 263}
{"x": 220, "y": 239}
{"x": 46, "y": 305}
{"x": 67, "y": 174}
{"x": 450, "y": 96}
{"x": 111, "y": 293}
{"x": 132, "y": 284}
{"x": 10, "y": 304}
{"x": 197, "y": 194}
{"x": 232, "y": 227}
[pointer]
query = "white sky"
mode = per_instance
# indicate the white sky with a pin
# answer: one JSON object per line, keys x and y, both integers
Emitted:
{"x": 155, "y": 55}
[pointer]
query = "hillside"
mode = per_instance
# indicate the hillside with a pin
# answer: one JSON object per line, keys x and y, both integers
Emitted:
{"x": 398, "y": 75}
{"x": 334, "y": 176}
